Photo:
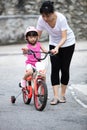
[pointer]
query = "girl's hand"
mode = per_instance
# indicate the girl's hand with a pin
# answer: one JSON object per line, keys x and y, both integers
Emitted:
{"x": 25, "y": 50}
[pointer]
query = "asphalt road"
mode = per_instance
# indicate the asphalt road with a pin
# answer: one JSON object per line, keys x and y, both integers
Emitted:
{"x": 68, "y": 116}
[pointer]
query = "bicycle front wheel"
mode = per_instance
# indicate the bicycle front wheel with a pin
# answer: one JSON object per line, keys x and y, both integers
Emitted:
{"x": 40, "y": 95}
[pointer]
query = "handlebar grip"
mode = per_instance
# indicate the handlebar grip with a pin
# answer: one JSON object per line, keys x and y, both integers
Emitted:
{"x": 50, "y": 53}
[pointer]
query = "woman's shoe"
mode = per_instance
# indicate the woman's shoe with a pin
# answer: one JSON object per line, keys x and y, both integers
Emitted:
{"x": 54, "y": 101}
{"x": 63, "y": 99}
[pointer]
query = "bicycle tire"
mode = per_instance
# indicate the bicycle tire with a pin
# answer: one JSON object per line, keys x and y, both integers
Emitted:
{"x": 13, "y": 99}
{"x": 40, "y": 99}
{"x": 25, "y": 93}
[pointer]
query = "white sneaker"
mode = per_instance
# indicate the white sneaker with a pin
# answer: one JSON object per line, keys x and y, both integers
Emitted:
{"x": 23, "y": 83}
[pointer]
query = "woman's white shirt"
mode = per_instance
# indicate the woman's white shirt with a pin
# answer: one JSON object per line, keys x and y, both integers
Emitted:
{"x": 55, "y": 33}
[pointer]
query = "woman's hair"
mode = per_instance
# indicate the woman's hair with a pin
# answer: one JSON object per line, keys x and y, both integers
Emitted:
{"x": 32, "y": 33}
{"x": 47, "y": 7}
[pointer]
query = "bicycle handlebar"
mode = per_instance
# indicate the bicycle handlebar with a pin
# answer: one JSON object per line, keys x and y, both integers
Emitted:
{"x": 31, "y": 52}
{"x": 39, "y": 59}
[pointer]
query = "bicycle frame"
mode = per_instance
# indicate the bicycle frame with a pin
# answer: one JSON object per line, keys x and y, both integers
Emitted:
{"x": 33, "y": 80}
{"x": 31, "y": 90}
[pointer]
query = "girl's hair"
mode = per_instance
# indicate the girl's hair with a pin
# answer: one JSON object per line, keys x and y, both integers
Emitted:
{"x": 47, "y": 7}
{"x": 32, "y": 33}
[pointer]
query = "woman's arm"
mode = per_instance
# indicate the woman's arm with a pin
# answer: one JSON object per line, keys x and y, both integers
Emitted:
{"x": 39, "y": 34}
{"x": 62, "y": 41}
{"x": 43, "y": 48}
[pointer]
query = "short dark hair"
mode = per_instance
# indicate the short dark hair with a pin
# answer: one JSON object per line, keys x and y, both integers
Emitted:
{"x": 47, "y": 7}
{"x": 32, "y": 33}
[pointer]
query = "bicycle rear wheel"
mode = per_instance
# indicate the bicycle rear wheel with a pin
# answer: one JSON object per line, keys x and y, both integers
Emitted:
{"x": 40, "y": 97}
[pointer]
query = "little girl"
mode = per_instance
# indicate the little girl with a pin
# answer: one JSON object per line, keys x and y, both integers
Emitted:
{"x": 32, "y": 63}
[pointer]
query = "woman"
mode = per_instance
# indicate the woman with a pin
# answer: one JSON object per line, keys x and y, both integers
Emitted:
{"x": 61, "y": 43}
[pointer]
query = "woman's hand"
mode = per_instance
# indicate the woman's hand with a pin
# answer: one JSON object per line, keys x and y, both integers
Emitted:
{"x": 55, "y": 50}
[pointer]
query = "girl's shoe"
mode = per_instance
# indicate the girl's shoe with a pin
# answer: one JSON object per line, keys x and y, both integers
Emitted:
{"x": 23, "y": 83}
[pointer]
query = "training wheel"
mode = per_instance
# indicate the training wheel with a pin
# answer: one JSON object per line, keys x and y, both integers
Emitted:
{"x": 13, "y": 99}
